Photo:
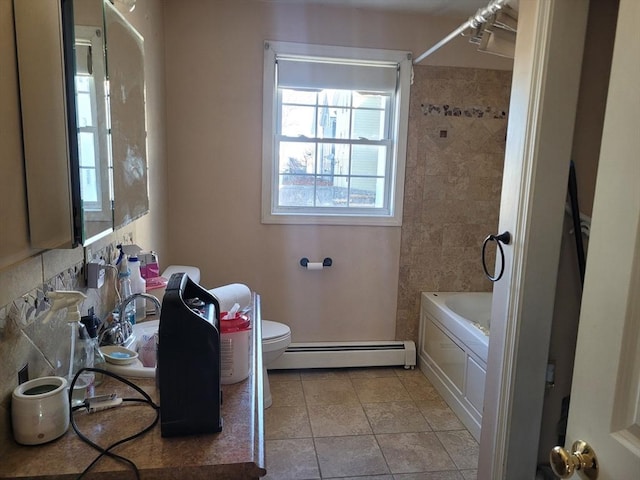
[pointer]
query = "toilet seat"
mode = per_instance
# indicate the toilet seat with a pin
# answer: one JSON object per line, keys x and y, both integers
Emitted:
{"x": 275, "y": 336}
{"x": 192, "y": 272}
{"x": 274, "y": 330}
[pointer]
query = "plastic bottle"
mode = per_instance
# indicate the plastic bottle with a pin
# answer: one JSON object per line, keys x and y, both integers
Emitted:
{"x": 80, "y": 351}
{"x": 91, "y": 323}
{"x": 83, "y": 353}
{"x": 125, "y": 292}
{"x": 138, "y": 285}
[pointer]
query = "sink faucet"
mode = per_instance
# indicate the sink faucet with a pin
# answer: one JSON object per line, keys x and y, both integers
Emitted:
{"x": 119, "y": 331}
{"x": 146, "y": 296}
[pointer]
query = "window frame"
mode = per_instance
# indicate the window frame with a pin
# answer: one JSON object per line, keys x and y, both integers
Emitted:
{"x": 391, "y": 214}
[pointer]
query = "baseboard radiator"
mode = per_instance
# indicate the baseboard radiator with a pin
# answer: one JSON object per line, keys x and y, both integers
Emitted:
{"x": 346, "y": 354}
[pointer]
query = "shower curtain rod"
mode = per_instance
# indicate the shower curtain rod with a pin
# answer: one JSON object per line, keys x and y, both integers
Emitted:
{"x": 481, "y": 16}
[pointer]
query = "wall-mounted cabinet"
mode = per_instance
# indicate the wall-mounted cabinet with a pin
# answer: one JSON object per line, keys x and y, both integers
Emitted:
{"x": 81, "y": 80}
{"x": 14, "y": 230}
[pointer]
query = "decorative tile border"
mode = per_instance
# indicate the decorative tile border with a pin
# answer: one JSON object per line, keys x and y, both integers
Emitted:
{"x": 469, "y": 112}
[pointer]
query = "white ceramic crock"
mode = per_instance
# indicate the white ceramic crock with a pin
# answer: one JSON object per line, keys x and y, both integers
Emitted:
{"x": 40, "y": 417}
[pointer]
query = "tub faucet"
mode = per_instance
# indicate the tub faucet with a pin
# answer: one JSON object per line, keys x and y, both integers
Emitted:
{"x": 119, "y": 330}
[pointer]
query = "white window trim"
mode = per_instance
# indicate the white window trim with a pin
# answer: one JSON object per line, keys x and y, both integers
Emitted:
{"x": 400, "y": 128}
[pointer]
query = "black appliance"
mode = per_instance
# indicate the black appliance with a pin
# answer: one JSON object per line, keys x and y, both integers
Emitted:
{"x": 188, "y": 366}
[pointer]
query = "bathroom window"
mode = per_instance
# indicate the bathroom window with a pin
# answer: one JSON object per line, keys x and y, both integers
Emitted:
{"x": 334, "y": 139}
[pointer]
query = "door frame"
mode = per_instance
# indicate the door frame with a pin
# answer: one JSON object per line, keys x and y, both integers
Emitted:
{"x": 545, "y": 85}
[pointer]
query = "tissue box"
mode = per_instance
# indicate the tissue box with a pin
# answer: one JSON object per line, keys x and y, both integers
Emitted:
{"x": 149, "y": 267}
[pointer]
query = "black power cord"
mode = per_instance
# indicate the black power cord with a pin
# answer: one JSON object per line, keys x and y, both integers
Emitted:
{"x": 107, "y": 451}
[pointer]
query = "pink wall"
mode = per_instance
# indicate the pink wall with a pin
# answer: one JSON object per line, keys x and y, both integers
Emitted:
{"x": 214, "y": 57}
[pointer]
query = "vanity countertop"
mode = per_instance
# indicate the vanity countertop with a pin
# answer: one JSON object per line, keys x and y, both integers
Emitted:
{"x": 235, "y": 453}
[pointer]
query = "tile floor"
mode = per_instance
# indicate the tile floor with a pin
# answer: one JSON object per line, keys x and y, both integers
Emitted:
{"x": 369, "y": 423}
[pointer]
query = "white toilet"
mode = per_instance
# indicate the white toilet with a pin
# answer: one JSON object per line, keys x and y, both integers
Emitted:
{"x": 192, "y": 272}
{"x": 276, "y": 337}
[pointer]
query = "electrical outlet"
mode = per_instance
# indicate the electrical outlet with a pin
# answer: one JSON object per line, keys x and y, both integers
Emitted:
{"x": 127, "y": 238}
{"x": 95, "y": 274}
{"x": 23, "y": 374}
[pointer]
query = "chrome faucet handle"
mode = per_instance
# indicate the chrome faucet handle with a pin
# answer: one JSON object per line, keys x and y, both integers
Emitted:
{"x": 126, "y": 329}
{"x": 111, "y": 336}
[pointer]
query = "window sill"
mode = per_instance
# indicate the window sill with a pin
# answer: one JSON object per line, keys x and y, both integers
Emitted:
{"x": 347, "y": 220}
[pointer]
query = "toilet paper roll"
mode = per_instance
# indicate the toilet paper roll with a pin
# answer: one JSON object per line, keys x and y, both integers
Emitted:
{"x": 315, "y": 266}
{"x": 227, "y": 295}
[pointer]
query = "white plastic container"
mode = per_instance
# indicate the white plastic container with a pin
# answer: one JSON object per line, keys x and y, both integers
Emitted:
{"x": 40, "y": 410}
{"x": 235, "y": 341}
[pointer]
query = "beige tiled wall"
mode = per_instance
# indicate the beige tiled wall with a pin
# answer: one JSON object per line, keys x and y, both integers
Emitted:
{"x": 25, "y": 338}
{"x": 456, "y": 143}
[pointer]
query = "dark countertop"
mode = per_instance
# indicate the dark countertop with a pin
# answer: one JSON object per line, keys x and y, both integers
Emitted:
{"x": 235, "y": 453}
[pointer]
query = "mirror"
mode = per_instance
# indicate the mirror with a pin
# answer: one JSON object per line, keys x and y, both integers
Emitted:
{"x": 81, "y": 69}
{"x": 125, "y": 67}
{"x": 92, "y": 120}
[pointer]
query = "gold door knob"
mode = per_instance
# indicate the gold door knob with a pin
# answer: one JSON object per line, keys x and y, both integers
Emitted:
{"x": 583, "y": 459}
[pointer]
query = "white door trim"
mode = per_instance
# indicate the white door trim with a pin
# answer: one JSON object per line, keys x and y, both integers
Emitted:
{"x": 544, "y": 96}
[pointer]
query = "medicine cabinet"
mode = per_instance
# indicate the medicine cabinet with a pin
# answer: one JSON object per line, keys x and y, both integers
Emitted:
{"x": 125, "y": 61}
{"x": 81, "y": 80}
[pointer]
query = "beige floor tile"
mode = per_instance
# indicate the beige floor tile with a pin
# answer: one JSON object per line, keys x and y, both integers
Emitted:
{"x": 470, "y": 474}
{"x": 449, "y": 475}
{"x": 350, "y": 456}
{"x": 439, "y": 415}
{"x": 413, "y": 376}
{"x": 366, "y": 477}
{"x": 276, "y": 376}
{"x": 327, "y": 392}
{"x": 386, "y": 389}
{"x": 372, "y": 372}
{"x": 286, "y": 394}
{"x": 409, "y": 372}
{"x": 419, "y": 387}
{"x": 324, "y": 373}
{"x": 462, "y": 448}
{"x": 395, "y": 417}
{"x": 287, "y": 422}
{"x": 338, "y": 420}
{"x": 341, "y": 408}
{"x": 414, "y": 452}
{"x": 291, "y": 459}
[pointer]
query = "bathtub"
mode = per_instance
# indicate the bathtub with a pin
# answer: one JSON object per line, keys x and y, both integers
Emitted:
{"x": 452, "y": 350}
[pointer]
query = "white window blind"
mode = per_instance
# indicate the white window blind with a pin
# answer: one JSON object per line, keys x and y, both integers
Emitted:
{"x": 334, "y": 134}
{"x": 336, "y": 74}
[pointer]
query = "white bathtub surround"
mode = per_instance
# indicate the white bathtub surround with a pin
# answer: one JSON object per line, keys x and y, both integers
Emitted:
{"x": 453, "y": 346}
